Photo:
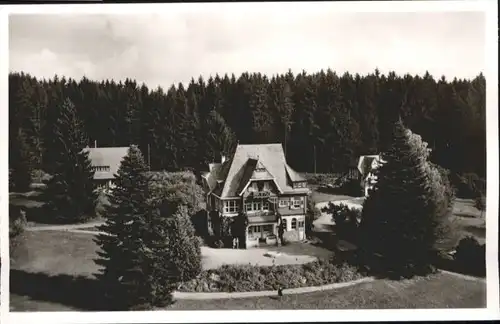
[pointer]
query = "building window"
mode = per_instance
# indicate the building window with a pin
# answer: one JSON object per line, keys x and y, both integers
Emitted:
{"x": 266, "y": 186}
{"x": 254, "y": 231}
{"x": 265, "y": 205}
{"x": 299, "y": 184}
{"x": 257, "y": 205}
{"x": 297, "y": 203}
{"x": 301, "y": 224}
{"x": 267, "y": 229}
{"x": 101, "y": 168}
{"x": 231, "y": 206}
{"x": 283, "y": 220}
{"x": 253, "y": 187}
{"x": 248, "y": 206}
{"x": 294, "y": 223}
{"x": 283, "y": 203}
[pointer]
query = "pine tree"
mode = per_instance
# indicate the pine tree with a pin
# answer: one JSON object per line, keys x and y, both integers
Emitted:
{"x": 70, "y": 193}
{"x": 221, "y": 139}
{"x": 124, "y": 253}
{"x": 402, "y": 217}
{"x": 183, "y": 249}
{"x": 19, "y": 164}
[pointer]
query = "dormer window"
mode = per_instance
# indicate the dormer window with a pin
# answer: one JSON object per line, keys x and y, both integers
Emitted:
{"x": 300, "y": 184}
{"x": 101, "y": 168}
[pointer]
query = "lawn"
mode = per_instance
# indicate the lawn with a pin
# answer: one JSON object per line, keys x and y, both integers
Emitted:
{"x": 436, "y": 291}
{"x": 56, "y": 252}
{"x": 320, "y": 196}
{"x": 50, "y": 265}
{"x": 32, "y": 202}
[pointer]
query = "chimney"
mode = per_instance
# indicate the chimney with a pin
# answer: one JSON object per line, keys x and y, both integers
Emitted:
{"x": 222, "y": 158}
{"x": 95, "y": 143}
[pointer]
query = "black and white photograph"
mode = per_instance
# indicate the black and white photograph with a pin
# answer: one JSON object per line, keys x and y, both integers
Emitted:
{"x": 250, "y": 156}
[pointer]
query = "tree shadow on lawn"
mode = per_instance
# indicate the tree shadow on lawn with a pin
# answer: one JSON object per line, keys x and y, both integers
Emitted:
{"x": 76, "y": 291}
{"x": 477, "y": 231}
{"x": 465, "y": 214}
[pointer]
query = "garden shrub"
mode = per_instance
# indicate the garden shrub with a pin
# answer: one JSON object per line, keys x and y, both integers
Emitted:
{"x": 39, "y": 176}
{"x": 468, "y": 185}
{"x": 233, "y": 278}
{"x": 470, "y": 257}
{"x": 351, "y": 187}
{"x": 17, "y": 221}
{"x": 346, "y": 220}
{"x": 480, "y": 203}
{"x": 312, "y": 214}
{"x": 102, "y": 202}
{"x": 321, "y": 178}
{"x": 17, "y": 224}
{"x": 200, "y": 240}
{"x": 218, "y": 244}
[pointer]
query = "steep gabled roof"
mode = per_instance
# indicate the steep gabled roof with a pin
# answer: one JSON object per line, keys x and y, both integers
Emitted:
{"x": 248, "y": 171}
{"x": 365, "y": 163}
{"x": 241, "y": 168}
{"x": 294, "y": 176}
{"x": 217, "y": 172}
{"x": 106, "y": 157}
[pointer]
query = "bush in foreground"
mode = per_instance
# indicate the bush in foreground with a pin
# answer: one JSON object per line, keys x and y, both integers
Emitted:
{"x": 470, "y": 257}
{"x": 238, "y": 278}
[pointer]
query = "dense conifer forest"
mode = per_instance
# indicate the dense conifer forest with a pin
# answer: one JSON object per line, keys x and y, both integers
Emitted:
{"x": 333, "y": 117}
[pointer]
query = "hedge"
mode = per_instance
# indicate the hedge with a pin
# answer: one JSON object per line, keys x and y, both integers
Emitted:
{"x": 240, "y": 278}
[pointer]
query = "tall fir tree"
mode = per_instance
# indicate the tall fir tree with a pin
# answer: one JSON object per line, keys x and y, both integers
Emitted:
{"x": 70, "y": 193}
{"x": 402, "y": 218}
{"x": 183, "y": 249}
{"x": 19, "y": 163}
{"x": 450, "y": 115}
{"x": 124, "y": 256}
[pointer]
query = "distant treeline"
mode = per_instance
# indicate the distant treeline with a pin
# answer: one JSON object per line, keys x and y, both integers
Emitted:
{"x": 336, "y": 117}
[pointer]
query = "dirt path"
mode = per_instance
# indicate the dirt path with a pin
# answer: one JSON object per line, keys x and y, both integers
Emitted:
{"x": 70, "y": 227}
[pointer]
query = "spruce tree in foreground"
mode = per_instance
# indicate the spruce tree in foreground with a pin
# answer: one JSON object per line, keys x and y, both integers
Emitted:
{"x": 184, "y": 254}
{"x": 19, "y": 163}
{"x": 403, "y": 218}
{"x": 70, "y": 193}
{"x": 123, "y": 252}
{"x": 149, "y": 244}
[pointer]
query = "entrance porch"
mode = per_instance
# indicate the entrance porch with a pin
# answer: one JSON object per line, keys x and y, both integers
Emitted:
{"x": 262, "y": 233}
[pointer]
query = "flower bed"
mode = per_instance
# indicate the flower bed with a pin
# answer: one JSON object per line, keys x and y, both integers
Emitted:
{"x": 239, "y": 278}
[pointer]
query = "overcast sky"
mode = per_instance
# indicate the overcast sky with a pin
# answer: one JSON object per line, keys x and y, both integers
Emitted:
{"x": 170, "y": 48}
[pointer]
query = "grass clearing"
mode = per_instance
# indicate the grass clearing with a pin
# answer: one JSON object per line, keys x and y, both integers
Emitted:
{"x": 56, "y": 252}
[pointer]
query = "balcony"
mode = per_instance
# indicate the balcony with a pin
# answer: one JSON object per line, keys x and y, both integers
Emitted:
{"x": 261, "y": 216}
{"x": 263, "y": 194}
{"x": 261, "y": 213}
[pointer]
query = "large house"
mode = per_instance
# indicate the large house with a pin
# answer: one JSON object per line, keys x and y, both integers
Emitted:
{"x": 105, "y": 162}
{"x": 258, "y": 181}
{"x": 367, "y": 164}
